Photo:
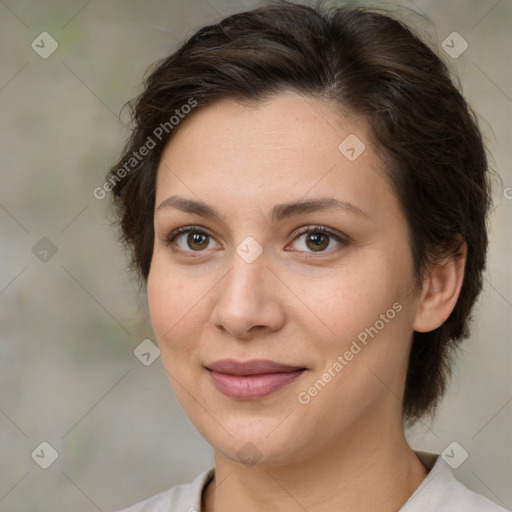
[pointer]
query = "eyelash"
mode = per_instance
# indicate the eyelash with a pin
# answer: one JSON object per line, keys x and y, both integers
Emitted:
{"x": 169, "y": 240}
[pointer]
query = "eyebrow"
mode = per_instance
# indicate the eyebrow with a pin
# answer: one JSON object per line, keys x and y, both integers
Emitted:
{"x": 278, "y": 212}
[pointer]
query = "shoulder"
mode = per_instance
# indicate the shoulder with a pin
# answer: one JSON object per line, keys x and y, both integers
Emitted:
{"x": 442, "y": 492}
{"x": 182, "y": 498}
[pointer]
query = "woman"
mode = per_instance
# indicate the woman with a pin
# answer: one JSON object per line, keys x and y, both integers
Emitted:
{"x": 304, "y": 194}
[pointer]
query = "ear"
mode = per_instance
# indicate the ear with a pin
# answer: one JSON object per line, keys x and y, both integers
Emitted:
{"x": 440, "y": 291}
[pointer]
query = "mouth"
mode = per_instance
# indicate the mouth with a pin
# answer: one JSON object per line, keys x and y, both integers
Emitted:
{"x": 251, "y": 380}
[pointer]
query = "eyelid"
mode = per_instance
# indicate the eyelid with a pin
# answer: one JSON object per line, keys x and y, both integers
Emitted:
{"x": 186, "y": 229}
{"x": 318, "y": 228}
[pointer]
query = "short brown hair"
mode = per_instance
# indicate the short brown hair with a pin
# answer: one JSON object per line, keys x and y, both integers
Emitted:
{"x": 372, "y": 65}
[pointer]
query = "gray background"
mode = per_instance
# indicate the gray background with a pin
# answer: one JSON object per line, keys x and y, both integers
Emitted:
{"x": 69, "y": 325}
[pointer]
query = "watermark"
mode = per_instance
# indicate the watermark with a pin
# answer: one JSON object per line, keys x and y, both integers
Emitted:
{"x": 454, "y": 45}
{"x": 44, "y": 250}
{"x": 249, "y": 249}
{"x": 249, "y": 454}
{"x": 507, "y": 192}
{"x": 304, "y": 397}
{"x": 44, "y": 45}
{"x": 132, "y": 163}
{"x": 454, "y": 455}
{"x": 352, "y": 147}
{"x": 146, "y": 352}
{"x": 45, "y": 455}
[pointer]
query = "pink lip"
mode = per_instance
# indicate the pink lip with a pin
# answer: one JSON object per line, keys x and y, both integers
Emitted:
{"x": 251, "y": 380}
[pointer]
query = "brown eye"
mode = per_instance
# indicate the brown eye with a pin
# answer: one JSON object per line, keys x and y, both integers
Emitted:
{"x": 317, "y": 241}
{"x": 197, "y": 240}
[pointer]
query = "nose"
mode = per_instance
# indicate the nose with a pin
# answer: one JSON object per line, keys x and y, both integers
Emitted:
{"x": 248, "y": 301}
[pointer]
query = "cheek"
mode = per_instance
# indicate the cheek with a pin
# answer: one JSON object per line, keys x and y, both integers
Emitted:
{"x": 350, "y": 299}
{"x": 173, "y": 307}
{"x": 375, "y": 329}
{"x": 369, "y": 314}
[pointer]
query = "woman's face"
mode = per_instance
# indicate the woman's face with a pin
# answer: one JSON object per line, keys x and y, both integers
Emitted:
{"x": 322, "y": 321}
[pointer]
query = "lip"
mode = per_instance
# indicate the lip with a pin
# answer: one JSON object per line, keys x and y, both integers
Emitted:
{"x": 251, "y": 380}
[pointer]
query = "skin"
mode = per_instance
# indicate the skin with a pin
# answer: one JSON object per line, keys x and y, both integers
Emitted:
{"x": 345, "y": 450}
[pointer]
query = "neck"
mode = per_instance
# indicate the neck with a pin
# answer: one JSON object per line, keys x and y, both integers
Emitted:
{"x": 363, "y": 471}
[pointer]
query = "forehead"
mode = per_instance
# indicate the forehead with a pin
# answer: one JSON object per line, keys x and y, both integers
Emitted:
{"x": 283, "y": 125}
{"x": 286, "y": 147}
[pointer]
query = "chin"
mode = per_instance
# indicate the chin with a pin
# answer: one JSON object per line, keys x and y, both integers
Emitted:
{"x": 251, "y": 441}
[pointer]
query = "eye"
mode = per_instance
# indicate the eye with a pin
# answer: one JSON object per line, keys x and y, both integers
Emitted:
{"x": 197, "y": 239}
{"x": 319, "y": 238}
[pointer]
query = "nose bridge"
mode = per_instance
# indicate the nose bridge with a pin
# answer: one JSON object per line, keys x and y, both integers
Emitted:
{"x": 245, "y": 298}
{"x": 245, "y": 283}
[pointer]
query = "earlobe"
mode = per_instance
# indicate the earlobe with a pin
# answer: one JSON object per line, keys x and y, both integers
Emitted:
{"x": 440, "y": 292}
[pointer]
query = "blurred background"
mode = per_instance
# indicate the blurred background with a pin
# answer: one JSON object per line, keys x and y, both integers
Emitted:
{"x": 71, "y": 316}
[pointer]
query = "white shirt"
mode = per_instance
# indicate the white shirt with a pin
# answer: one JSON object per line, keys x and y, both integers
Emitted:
{"x": 439, "y": 492}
